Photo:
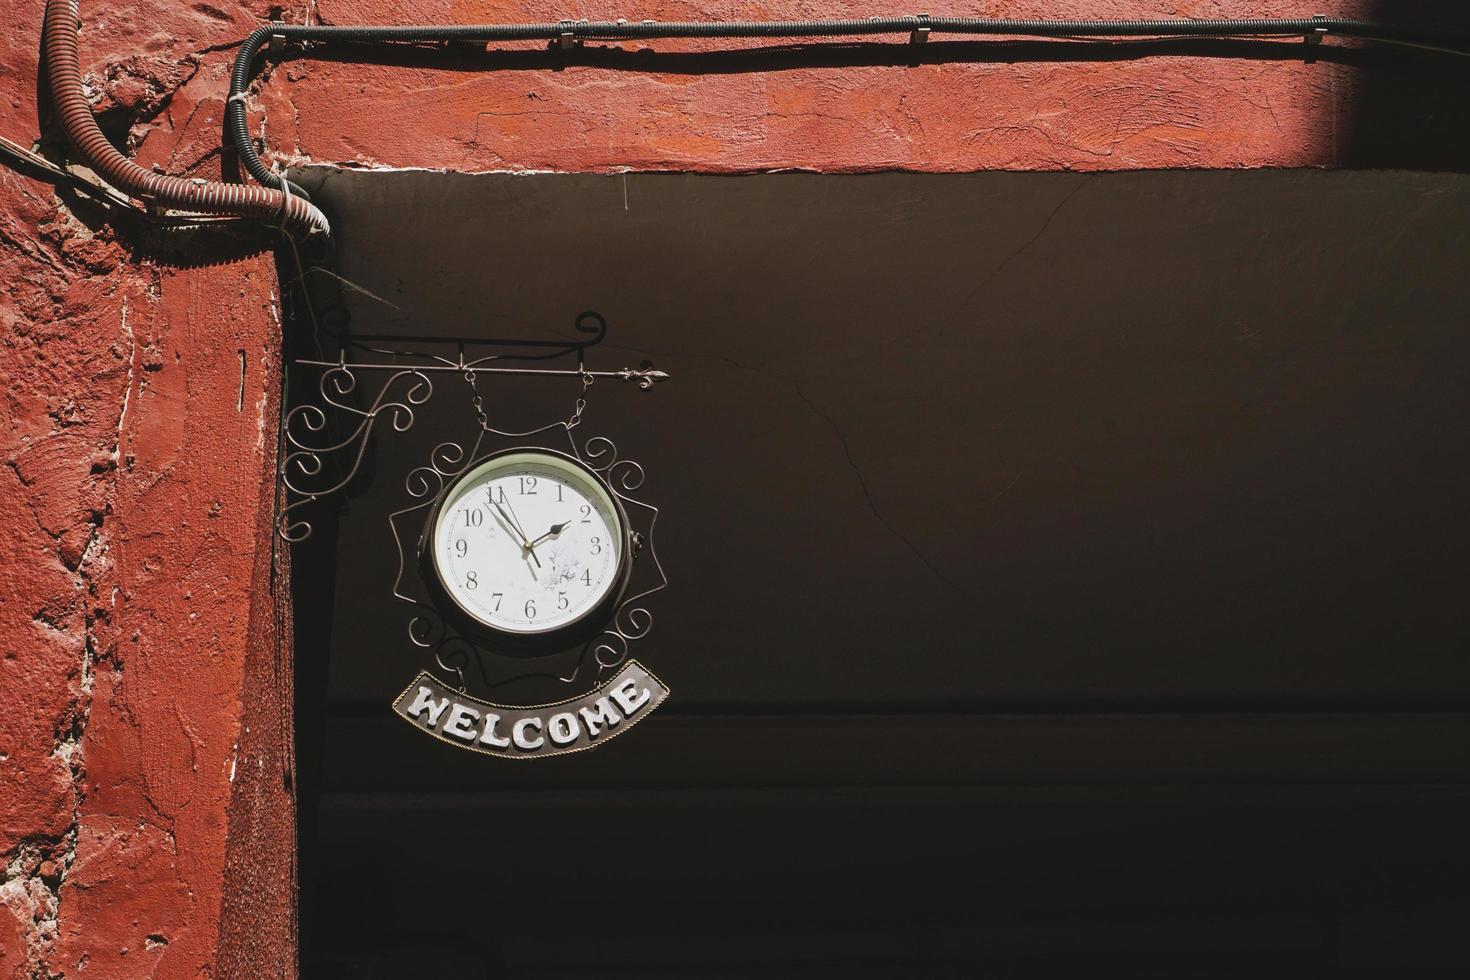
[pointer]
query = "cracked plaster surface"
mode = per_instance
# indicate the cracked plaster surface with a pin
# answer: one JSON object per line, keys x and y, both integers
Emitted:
{"x": 132, "y": 503}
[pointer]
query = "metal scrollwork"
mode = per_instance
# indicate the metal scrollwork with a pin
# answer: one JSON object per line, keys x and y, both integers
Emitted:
{"x": 426, "y": 628}
{"x": 305, "y": 458}
{"x": 310, "y": 447}
{"x": 632, "y": 620}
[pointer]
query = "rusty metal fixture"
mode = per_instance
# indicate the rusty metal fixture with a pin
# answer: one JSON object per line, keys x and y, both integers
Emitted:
{"x": 64, "y": 73}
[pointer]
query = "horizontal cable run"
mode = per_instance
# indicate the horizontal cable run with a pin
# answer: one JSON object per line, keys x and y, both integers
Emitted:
{"x": 620, "y": 30}
{"x": 919, "y": 27}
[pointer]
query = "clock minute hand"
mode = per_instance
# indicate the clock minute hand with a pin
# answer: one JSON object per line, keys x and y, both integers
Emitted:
{"x": 509, "y": 522}
{"x": 503, "y": 506}
{"x": 519, "y": 529}
{"x": 509, "y": 525}
{"x": 515, "y": 525}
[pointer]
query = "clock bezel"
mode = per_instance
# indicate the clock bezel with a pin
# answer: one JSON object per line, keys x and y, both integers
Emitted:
{"x": 589, "y": 623}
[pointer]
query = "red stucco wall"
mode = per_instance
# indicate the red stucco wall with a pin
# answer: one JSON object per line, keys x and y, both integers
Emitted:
{"x": 145, "y": 802}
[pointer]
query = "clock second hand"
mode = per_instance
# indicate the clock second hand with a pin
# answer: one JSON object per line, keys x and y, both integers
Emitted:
{"x": 510, "y": 516}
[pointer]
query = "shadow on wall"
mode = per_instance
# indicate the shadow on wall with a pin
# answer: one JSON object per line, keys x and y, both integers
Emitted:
{"x": 1410, "y": 113}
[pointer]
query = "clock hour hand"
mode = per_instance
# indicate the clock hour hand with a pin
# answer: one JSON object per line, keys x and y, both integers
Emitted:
{"x": 555, "y": 529}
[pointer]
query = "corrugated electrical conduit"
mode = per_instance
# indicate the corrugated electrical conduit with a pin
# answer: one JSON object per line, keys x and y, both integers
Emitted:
{"x": 282, "y": 200}
{"x": 63, "y": 71}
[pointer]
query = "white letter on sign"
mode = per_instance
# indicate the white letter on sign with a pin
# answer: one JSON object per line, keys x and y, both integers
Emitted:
{"x": 563, "y": 728}
{"x": 424, "y": 700}
{"x": 628, "y": 700}
{"x": 456, "y": 724}
{"x": 490, "y": 738}
{"x": 518, "y": 732}
{"x": 600, "y": 712}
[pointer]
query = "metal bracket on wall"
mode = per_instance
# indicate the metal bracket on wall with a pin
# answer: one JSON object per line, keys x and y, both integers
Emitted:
{"x": 921, "y": 33}
{"x": 1313, "y": 38}
{"x": 321, "y": 454}
{"x": 646, "y": 377}
{"x": 567, "y": 39}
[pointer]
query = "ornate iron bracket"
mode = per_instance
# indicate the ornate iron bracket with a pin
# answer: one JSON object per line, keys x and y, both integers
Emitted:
{"x": 325, "y": 442}
{"x": 309, "y": 443}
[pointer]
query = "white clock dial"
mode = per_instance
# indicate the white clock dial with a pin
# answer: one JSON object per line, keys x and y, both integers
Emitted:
{"x": 528, "y": 542}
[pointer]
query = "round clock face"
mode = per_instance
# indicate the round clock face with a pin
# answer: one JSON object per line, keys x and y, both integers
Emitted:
{"x": 529, "y": 542}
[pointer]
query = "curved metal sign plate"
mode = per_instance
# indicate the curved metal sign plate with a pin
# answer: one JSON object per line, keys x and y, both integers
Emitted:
{"x": 533, "y": 731}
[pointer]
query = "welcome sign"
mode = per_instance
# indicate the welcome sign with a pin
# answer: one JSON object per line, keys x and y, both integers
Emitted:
{"x": 533, "y": 731}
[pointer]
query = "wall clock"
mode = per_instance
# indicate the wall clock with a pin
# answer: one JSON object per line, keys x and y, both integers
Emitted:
{"x": 529, "y": 546}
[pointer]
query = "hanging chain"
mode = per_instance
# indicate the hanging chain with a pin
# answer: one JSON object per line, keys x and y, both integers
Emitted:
{"x": 581, "y": 405}
{"x": 478, "y": 402}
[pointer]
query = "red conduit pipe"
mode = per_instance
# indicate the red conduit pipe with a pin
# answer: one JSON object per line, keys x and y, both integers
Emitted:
{"x": 63, "y": 71}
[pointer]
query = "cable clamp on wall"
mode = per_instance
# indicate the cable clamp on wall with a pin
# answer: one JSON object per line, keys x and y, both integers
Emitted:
{"x": 1316, "y": 34}
{"x": 567, "y": 38}
{"x": 285, "y": 204}
{"x": 921, "y": 33}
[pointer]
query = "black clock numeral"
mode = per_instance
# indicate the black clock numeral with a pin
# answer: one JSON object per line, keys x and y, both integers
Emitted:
{"x": 587, "y": 576}
{"x": 558, "y": 493}
{"x": 530, "y": 609}
{"x": 597, "y": 546}
{"x": 528, "y": 486}
{"x": 562, "y": 601}
{"x": 474, "y": 517}
{"x": 586, "y": 513}
{"x": 491, "y": 492}
{"x": 497, "y": 596}
{"x": 471, "y": 581}
{"x": 461, "y": 547}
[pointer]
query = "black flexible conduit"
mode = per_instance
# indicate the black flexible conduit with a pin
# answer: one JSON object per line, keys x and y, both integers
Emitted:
{"x": 566, "y": 31}
{"x": 917, "y": 27}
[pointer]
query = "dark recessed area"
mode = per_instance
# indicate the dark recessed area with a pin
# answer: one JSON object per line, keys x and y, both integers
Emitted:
{"x": 1065, "y": 569}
